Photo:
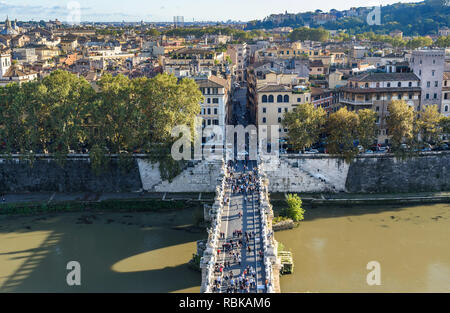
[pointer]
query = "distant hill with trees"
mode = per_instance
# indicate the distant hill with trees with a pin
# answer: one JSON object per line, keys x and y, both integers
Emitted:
{"x": 413, "y": 19}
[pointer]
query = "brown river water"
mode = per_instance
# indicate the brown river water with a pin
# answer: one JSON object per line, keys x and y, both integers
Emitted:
{"x": 136, "y": 252}
{"x": 141, "y": 252}
{"x": 333, "y": 246}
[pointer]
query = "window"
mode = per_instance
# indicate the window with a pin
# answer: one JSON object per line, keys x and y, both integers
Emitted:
{"x": 299, "y": 100}
{"x": 271, "y": 98}
{"x": 279, "y": 110}
{"x": 264, "y": 99}
{"x": 435, "y": 96}
{"x": 286, "y": 110}
{"x": 280, "y": 98}
{"x": 436, "y": 84}
{"x": 410, "y": 96}
{"x": 399, "y": 96}
{"x": 264, "y": 120}
{"x": 279, "y": 120}
{"x": 428, "y": 84}
{"x": 377, "y": 109}
{"x": 378, "y": 97}
{"x": 264, "y": 110}
{"x": 410, "y": 84}
{"x": 445, "y": 95}
{"x": 446, "y": 108}
{"x": 209, "y": 100}
{"x": 215, "y": 100}
{"x": 432, "y": 72}
{"x": 209, "y": 111}
{"x": 367, "y": 85}
{"x": 389, "y": 85}
{"x": 286, "y": 99}
{"x": 399, "y": 84}
{"x": 215, "y": 111}
{"x": 427, "y": 96}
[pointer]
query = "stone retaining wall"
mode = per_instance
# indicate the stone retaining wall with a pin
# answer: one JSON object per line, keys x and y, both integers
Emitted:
{"x": 366, "y": 174}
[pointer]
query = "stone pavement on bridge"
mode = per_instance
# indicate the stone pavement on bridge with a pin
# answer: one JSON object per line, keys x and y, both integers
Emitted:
{"x": 249, "y": 221}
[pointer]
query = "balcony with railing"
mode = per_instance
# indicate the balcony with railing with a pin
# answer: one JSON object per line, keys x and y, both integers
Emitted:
{"x": 355, "y": 101}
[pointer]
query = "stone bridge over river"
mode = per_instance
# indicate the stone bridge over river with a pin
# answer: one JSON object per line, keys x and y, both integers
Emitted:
{"x": 250, "y": 213}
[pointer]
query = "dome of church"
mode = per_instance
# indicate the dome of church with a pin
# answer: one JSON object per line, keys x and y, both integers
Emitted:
{"x": 8, "y": 29}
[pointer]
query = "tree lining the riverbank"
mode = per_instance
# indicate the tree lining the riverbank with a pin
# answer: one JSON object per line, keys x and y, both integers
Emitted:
{"x": 63, "y": 113}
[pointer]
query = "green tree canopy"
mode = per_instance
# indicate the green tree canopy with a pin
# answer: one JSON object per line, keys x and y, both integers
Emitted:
{"x": 304, "y": 124}
{"x": 429, "y": 124}
{"x": 367, "y": 127}
{"x": 294, "y": 209}
{"x": 400, "y": 123}
{"x": 305, "y": 33}
{"x": 342, "y": 127}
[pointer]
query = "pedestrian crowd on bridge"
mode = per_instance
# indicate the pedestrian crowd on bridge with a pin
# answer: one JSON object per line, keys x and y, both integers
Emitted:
{"x": 231, "y": 283}
{"x": 245, "y": 282}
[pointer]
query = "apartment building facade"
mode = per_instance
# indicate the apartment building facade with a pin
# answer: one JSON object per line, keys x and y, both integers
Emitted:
{"x": 376, "y": 91}
{"x": 446, "y": 94}
{"x": 240, "y": 56}
{"x": 428, "y": 65}
{"x": 276, "y": 100}
{"x": 214, "y": 108}
{"x": 5, "y": 62}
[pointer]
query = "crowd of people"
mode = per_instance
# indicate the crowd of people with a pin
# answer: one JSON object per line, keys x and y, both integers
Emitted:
{"x": 244, "y": 183}
{"x": 239, "y": 183}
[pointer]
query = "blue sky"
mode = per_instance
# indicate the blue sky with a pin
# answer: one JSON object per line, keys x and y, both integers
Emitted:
{"x": 164, "y": 10}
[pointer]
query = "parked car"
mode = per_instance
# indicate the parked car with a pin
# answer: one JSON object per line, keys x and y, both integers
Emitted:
{"x": 242, "y": 153}
{"x": 311, "y": 151}
{"x": 443, "y": 147}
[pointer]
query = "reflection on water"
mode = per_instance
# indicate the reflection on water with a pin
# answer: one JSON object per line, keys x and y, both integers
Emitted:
{"x": 332, "y": 247}
{"x": 117, "y": 253}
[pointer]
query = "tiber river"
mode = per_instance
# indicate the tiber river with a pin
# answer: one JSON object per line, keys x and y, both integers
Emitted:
{"x": 141, "y": 252}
